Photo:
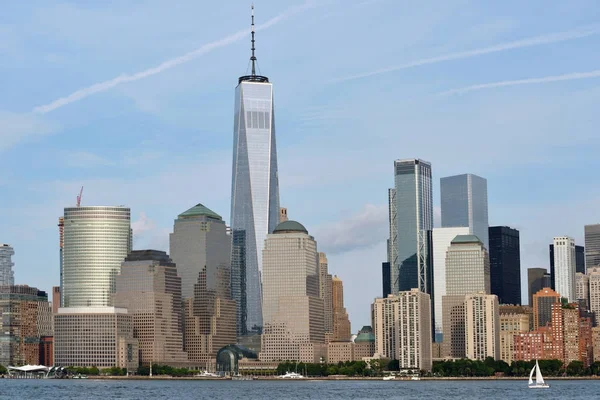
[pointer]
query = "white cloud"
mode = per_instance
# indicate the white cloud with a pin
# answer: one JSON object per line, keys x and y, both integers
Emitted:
{"x": 18, "y": 127}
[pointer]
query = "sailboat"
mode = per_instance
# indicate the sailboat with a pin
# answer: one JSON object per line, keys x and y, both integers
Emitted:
{"x": 539, "y": 379}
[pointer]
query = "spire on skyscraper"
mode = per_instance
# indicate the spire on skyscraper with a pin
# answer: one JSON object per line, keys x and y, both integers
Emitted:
{"x": 253, "y": 77}
{"x": 253, "y": 57}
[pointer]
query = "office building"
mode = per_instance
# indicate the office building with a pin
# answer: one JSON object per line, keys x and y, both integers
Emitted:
{"x": 292, "y": 306}
{"x": 341, "y": 322}
{"x": 410, "y": 219}
{"x": 542, "y": 307}
{"x": 537, "y": 279}
{"x": 26, "y": 316}
{"x": 564, "y": 267}
{"x": 61, "y": 241}
{"x": 326, "y": 293}
{"x": 385, "y": 279}
{"x": 254, "y": 191}
{"x": 467, "y": 266}
{"x": 150, "y": 289}
{"x": 592, "y": 245}
{"x": 464, "y": 203}
{"x": 364, "y": 344}
{"x": 442, "y": 238}
{"x": 505, "y": 264}
{"x": 95, "y": 336}
{"x": 402, "y": 327}
{"x": 582, "y": 289}
{"x": 482, "y": 326}
{"x": 514, "y": 320}
{"x": 580, "y": 259}
{"x": 7, "y": 275}
{"x": 96, "y": 241}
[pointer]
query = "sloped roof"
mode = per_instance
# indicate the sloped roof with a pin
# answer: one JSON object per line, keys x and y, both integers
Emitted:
{"x": 200, "y": 210}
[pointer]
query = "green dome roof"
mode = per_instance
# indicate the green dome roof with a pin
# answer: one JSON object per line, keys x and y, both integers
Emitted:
{"x": 365, "y": 335}
{"x": 290, "y": 226}
{"x": 199, "y": 210}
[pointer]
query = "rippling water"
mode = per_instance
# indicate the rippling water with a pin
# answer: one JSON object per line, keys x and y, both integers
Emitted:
{"x": 248, "y": 390}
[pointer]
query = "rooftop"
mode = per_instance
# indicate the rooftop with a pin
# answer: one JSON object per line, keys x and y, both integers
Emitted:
{"x": 290, "y": 227}
{"x": 200, "y": 210}
{"x": 466, "y": 239}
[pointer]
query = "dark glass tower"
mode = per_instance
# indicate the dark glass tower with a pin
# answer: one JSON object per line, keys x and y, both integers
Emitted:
{"x": 505, "y": 264}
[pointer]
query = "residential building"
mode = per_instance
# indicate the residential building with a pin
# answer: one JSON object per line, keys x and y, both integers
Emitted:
{"x": 594, "y": 289}
{"x": 505, "y": 264}
{"x": 150, "y": 289}
{"x": 596, "y": 343}
{"x": 341, "y": 322}
{"x": 586, "y": 345}
{"x": 542, "y": 307}
{"x": 47, "y": 351}
{"x": 326, "y": 293}
{"x": 534, "y": 345}
{"x": 592, "y": 245}
{"x": 96, "y": 241}
{"x": 254, "y": 191}
{"x": 26, "y": 316}
{"x": 7, "y": 275}
{"x": 402, "y": 326}
{"x": 453, "y": 321}
{"x": 464, "y": 203}
{"x": 410, "y": 218}
{"x": 537, "y": 279}
{"x": 482, "y": 326}
{"x": 582, "y": 289}
{"x": 514, "y": 320}
{"x": 292, "y": 306}
{"x": 564, "y": 267}
{"x": 442, "y": 238}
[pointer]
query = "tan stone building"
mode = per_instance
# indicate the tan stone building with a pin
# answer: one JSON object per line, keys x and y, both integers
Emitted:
{"x": 596, "y": 342}
{"x": 103, "y": 338}
{"x": 340, "y": 351}
{"x": 293, "y": 314}
{"x": 364, "y": 344}
{"x": 482, "y": 326}
{"x": 341, "y": 322}
{"x": 514, "y": 320}
{"x": 326, "y": 292}
{"x": 402, "y": 327}
{"x": 594, "y": 290}
{"x": 150, "y": 289}
{"x": 453, "y": 322}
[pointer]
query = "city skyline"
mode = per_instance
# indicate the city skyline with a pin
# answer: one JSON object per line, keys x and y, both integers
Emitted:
{"x": 174, "y": 127}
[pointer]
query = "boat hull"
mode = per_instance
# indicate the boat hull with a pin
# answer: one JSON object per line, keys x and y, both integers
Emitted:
{"x": 539, "y": 386}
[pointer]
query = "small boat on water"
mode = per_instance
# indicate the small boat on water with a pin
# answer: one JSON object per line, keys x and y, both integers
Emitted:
{"x": 206, "y": 374}
{"x": 389, "y": 378}
{"x": 415, "y": 378}
{"x": 539, "y": 379}
{"x": 291, "y": 375}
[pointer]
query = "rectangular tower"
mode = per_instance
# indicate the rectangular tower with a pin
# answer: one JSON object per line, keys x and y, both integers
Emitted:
{"x": 464, "y": 202}
{"x": 564, "y": 267}
{"x": 7, "y": 275}
{"x": 505, "y": 264}
{"x": 592, "y": 245}
{"x": 411, "y": 217}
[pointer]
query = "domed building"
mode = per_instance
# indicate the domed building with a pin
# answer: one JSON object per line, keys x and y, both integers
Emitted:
{"x": 364, "y": 344}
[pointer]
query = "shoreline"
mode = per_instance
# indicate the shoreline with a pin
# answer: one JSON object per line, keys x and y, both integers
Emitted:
{"x": 346, "y": 378}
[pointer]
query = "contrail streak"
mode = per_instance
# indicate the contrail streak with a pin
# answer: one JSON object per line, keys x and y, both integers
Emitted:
{"x": 530, "y": 81}
{"x": 125, "y": 78}
{"x": 528, "y": 42}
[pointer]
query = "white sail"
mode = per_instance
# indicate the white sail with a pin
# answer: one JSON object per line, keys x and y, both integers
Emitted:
{"x": 531, "y": 375}
{"x": 539, "y": 379}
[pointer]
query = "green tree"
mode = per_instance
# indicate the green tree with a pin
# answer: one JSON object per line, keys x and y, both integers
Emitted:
{"x": 575, "y": 368}
{"x": 3, "y": 370}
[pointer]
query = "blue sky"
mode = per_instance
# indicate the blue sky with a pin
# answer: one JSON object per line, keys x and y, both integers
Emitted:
{"x": 134, "y": 101}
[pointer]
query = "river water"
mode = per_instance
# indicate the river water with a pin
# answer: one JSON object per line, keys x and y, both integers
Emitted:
{"x": 250, "y": 390}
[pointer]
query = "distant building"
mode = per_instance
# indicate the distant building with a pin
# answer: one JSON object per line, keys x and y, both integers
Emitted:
{"x": 582, "y": 289}
{"x": 326, "y": 293}
{"x": 514, "y": 320}
{"x": 580, "y": 259}
{"x": 537, "y": 279}
{"x": 594, "y": 289}
{"x": 96, "y": 241}
{"x": 47, "y": 351}
{"x": 592, "y": 245}
{"x": 564, "y": 267}
{"x": 410, "y": 218}
{"x": 442, "y": 238}
{"x": 150, "y": 289}
{"x": 7, "y": 275}
{"x": 341, "y": 322}
{"x": 111, "y": 345}
{"x": 482, "y": 326}
{"x": 542, "y": 307}
{"x": 385, "y": 274}
{"x": 505, "y": 264}
{"x": 364, "y": 344}
{"x": 283, "y": 216}
{"x": 340, "y": 352}
{"x": 464, "y": 203}
{"x": 26, "y": 316}
{"x": 596, "y": 343}
{"x": 402, "y": 326}
{"x": 292, "y": 305}
{"x": 55, "y": 299}
{"x": 534, "y": 345}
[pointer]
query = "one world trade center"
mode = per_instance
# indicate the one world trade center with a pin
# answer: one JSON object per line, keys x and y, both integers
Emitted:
{"x": 254, "y": 192}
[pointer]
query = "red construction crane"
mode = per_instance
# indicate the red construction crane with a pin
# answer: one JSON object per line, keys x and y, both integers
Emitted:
{"x": 79, "y": 197}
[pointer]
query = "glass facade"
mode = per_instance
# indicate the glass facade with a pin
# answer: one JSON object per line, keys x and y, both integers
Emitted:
{"x": 464, "y": 203}
{"x": 411, "y": 217}
{"x": 7, "y": 275}
{"x": 592, "y": 245}
{"x": 96, "y": 241}
{"x": 254, "y": 196}
{"x": 505, "y": 264}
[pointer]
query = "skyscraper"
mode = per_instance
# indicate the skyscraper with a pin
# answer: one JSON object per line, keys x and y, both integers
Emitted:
{"x": 326, "y": 292}
{"x": 7, "y": 275}
{"x": 293, "y": 309}
{"x": 580, "y": 259}
{"x": 542, "y": 307}
{"x": 537, "y": 279}
{"x": 464, "y": 202}
{"x": 254, "y": 190}
{"x": 482, "y": 326}
{"x": 564, "y": 267}
{"x": 341, "y": 323}
{"x": 505, "y": 264}
{"x": 410, "y": 218}
{"x": 96, "y": 241}
{"x": 592, "y": 245}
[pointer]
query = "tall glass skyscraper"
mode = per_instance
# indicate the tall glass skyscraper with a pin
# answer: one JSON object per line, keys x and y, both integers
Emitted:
{"x": 411, "y": 217}
{"x": 465, "y": 203}
{"x": 96, "y": 241}
{"x": 254, "y": 191}
{"x": 7, "y": 275}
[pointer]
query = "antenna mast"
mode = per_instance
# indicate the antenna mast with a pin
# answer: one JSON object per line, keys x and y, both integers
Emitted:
{"x": 253, "y": 57}
{"x": 253, "y": 77}
{"x": 79, "y": 197}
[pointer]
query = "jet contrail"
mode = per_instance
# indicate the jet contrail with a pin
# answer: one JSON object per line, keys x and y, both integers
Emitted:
{"x": 528, "y": 42}
{"x": 124, "y": 78}
{"x": 556, "y": 78}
